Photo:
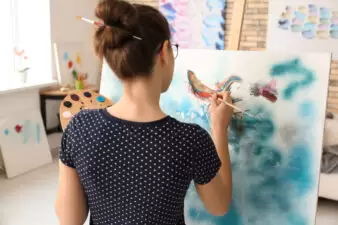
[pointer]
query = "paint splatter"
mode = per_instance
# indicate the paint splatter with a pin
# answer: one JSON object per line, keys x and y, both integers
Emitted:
{"x": 70, "y": 64}
{"x": 38, "y": 133}
{"x": 65, "y": 56}
{"x": 18, "y": 128}
{"x": 307, "y": 109}
{"x": 293, "y": 68}
{"x": 27, "y": 132}
{"x": 312, "y": 22}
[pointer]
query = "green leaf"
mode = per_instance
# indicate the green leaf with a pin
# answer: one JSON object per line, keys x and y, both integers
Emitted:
{"x": 74, "y": 73}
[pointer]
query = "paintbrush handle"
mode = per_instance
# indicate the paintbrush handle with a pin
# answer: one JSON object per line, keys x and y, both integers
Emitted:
{"x": 238, "y": 109}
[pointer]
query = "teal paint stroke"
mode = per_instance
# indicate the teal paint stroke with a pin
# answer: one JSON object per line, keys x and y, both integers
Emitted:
{"x": 31, "y": 131}
{"x": 38, "y": 133}
{"x": 26, "y": 131}
{"x": 293, "y": 68}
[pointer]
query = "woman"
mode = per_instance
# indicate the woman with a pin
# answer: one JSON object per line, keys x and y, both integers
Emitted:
{"x": 131, "y": 163}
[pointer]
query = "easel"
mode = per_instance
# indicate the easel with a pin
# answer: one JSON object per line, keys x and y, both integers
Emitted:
{"x": 236, "y": 25}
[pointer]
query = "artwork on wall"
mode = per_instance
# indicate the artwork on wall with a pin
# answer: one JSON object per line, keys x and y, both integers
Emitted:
{"x": 305, "y": 26}
{"x": 196, "y": 23}
{"x": 24, "y": 144}
{"x": 275, "y": 153}
{"x": 74, "y": 63}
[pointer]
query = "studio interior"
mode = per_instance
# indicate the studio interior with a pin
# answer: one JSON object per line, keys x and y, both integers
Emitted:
{"x": 277, "y": 59}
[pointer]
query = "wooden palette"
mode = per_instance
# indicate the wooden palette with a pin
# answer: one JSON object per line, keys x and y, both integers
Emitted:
{"x": 79, "y": 100}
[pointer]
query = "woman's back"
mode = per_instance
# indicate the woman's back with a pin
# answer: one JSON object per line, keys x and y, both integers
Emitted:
{"x": 137, "y": 172}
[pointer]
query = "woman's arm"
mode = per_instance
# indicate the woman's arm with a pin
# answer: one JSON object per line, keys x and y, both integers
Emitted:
{"x": 71, "y": 203}
{"x": 216, "y": 195}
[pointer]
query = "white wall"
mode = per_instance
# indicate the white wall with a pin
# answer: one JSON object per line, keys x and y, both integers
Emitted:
{"x": 66, "y": 28}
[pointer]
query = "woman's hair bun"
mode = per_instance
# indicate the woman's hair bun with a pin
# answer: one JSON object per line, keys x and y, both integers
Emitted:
{"x": 120, "y": 19}
{"x": 117, "y": 13}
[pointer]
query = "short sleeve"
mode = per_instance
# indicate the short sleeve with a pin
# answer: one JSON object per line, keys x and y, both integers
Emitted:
{"x": 66, "y": 150}
{"x": 207, "y": 162}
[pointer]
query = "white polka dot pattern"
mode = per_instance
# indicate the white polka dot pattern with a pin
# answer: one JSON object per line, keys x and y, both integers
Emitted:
{"x": 137, "y": 173}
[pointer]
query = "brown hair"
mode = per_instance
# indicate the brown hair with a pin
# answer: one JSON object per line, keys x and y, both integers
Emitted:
{"x": 128, "y": 56}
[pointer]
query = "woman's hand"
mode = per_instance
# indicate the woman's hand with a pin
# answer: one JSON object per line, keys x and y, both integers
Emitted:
{"x": 220, "y": 113}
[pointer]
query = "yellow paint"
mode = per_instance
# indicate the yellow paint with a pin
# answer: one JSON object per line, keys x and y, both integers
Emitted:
{"x": 302, "y": 9}
{"x": 313, "y": 19}
{"x": 323, "y": 34}
{"x": 78, "y": 58}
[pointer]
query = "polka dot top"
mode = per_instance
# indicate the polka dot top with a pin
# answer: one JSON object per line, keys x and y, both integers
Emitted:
{"x": 137, "y": 173}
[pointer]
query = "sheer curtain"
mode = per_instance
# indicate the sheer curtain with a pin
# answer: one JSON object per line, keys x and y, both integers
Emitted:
{"x": 6, "y": 41}
{"x": 26, "y": 23}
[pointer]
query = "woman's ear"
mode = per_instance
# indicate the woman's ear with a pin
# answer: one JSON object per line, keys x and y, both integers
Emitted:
{"x": 164, "y": 54}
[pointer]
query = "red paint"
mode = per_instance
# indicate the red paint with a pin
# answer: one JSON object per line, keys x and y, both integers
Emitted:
{"x": 203, "y": 94}
{"x": 269, "y": 96}
{"x": 18, "y": 128}
{"x": 70, "y": 64}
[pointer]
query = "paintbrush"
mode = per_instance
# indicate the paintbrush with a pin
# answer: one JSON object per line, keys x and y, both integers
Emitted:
{"x": 99, "y": 24}
{"x": 234, "y": 107}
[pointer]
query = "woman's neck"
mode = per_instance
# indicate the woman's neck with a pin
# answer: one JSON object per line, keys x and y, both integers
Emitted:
{"x": 139, "y": 102}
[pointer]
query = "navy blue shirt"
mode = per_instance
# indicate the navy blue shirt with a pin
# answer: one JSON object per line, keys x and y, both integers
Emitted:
{"x": 137, "y": 173}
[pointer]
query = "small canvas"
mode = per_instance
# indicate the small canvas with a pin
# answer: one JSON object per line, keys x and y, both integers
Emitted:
{"x": 304, "y": 26}
{"x": 23, "y": 143}
{"x": 196, "y": 23}
{"x": 275, "y": 147}
{"x": 73, "y": 59}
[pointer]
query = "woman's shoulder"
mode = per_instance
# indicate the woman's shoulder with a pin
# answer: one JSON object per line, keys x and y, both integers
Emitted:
{"x": 191, "y": 128}
{"x": 83, "y": 118}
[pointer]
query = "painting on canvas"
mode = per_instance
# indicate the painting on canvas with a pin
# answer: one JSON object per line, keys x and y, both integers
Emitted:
{"x": 24, "y": 144}
{"x": 275, "y": 148}
{"x": 196, "y": 23}
{"x": 74, "y": 61}
{"x": 305, "y": 26}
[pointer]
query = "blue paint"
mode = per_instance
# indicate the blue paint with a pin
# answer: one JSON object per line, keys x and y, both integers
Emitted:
{"x": 100, "y": 99}
{"x": 299, "y": 15}
{"x": 65, "y": 56}
{"x": 307, "y": 110}
{"x": 38, "y": 133}
{"x": 232, "y": 217}
{"x": 284, "y": 24}
{"x": 293, "y": 68}
{"x": 216, "y": 4}
{"x": 298, "y": 172}
{"x": 168, "y": 7}
{"x": 6, "y": 132}
{"x": 26, "y": 131}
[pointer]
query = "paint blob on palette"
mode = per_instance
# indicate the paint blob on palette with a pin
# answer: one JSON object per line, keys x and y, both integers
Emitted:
{"x": 310, "y": 21}
{"x": 196, "y": 23}
{"x": 80, "y": 100}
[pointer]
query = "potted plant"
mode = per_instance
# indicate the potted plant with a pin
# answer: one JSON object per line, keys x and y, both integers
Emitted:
{"x": 21, "y": 64}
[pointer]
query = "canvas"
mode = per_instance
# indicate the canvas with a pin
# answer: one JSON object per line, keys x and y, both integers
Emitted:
{"x": 302, "y": 25}
{"x": 23, "y": 143}
{"x": 196, "y": 23}
{"x": 275, "y": 149}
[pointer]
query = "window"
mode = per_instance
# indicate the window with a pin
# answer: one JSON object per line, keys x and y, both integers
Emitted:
{"x": 26, "y": 24}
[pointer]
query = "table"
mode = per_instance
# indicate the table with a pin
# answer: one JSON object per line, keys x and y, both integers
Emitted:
{"x": 55, "y": 94}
